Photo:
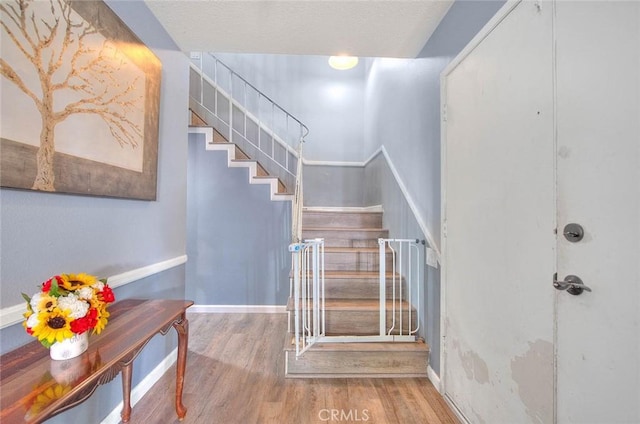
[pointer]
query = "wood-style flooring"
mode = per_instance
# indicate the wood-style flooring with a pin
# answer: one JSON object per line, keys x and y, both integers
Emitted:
{"x": 235, "y": 375}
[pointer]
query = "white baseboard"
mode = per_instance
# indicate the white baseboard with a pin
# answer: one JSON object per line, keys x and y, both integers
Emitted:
{"x": 13, "y": 314}
{"x": 143, "y": 387}
{"x": 455, "y": 409}
{"x": 238, "y": 309}
{"x": 435, "y": 380}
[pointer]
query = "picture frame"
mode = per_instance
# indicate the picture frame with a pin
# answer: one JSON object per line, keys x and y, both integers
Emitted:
{"x": 80, "y": 101}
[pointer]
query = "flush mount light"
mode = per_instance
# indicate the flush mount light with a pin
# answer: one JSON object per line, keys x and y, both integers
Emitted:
{"x": 343, "y": 63}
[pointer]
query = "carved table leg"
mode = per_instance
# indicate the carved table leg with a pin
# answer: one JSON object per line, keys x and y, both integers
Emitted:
{"x": 182, "y": 328}
{"x": 126, "y": 392}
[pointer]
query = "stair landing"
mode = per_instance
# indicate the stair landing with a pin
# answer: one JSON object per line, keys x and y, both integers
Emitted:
{"x": 341, "y": 360}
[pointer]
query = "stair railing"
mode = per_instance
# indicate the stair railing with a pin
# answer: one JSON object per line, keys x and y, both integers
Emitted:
{"x": 297, "y": 204}
{"x": 307, "y": 291}
{"x": 247, "y": 117}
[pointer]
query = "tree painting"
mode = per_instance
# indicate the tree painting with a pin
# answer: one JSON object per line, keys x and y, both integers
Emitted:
{"x": 67, "y": 68}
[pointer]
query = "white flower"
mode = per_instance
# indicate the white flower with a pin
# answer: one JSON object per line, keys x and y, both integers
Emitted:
{"x": 85, "y": 293}
{"x": 32, "y": 321}
{"x": 98, "y": 285}
{"x": 77, "y": 307}
{"x": 35, "y": 300}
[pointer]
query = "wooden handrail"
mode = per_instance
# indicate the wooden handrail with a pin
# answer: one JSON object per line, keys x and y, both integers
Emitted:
{"x": 34, "y": 388}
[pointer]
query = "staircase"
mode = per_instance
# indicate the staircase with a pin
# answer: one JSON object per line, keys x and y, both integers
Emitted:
{"x": 255, "y": 131}
{"x": 237, "y": 158}
{"x": 351, "y": 263}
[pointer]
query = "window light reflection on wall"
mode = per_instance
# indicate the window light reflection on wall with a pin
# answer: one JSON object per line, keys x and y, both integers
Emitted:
{"x": 342, "y": 63}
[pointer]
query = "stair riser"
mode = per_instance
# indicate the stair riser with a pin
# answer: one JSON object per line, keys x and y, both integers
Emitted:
{"x": 352, "y": 288}
{"x": 342, "y": 219}
{"x": 335, "y": 364}
{"x": 346, "y": 238}
{"x": 354, "y": 261}
{"x": 360, "y": 323}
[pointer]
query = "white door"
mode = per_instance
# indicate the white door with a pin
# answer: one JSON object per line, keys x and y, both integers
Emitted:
{"x": 598, "y": 109}
{"x": 499, "y": 212}
{"x": 545, "y": 104}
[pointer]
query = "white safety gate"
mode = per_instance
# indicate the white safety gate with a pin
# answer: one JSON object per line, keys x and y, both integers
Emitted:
{"x": 399, "y": 309}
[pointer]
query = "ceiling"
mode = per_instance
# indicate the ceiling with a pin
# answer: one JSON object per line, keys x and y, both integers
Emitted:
{"x": 365, "y": 28}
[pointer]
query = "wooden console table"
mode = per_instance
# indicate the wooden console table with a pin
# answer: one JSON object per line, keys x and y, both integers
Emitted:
{"x": 34, "y": 387}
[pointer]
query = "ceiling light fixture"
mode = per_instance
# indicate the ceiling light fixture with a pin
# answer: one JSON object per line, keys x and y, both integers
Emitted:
{"x": 342, "y": 63}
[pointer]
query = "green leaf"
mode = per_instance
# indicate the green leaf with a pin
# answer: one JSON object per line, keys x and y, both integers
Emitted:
{"x": 55, "y": 289}
{"x": 103, "y": 280}
{"x": 46, "y": 343}
{"x": 28, "y": 299}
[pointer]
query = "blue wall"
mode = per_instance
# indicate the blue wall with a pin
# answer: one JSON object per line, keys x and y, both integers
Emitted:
{"x": 43, "y": 234}
{"x": 237, "y": 237}
{"x": 329, "y": 102}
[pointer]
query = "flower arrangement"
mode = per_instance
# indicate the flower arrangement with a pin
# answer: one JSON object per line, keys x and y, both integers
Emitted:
{"x": 67, "y": 305}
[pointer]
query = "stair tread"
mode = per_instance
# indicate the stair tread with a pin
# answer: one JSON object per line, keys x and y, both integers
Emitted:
{"x": 354, "y": 305}
{"x": 357, "y": 274}
{"x": 333, "y": 249}
{"x": 375, "y": 275}
{"x": 372, "y": 229}
{"x": 319, "y": 210}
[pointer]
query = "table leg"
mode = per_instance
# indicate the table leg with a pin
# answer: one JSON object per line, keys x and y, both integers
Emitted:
{"x": 182, "y": 328}
{"x": 126, "y": 392}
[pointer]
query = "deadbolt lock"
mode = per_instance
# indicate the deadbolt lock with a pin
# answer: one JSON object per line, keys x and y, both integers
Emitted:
{"x": 573, "y": 232}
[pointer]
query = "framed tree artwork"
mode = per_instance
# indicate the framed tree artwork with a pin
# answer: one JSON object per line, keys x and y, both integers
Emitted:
{"x": 80, "y": 100}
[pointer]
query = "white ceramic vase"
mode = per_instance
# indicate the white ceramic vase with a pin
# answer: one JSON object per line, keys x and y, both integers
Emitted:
{"x": 70, "y": 348}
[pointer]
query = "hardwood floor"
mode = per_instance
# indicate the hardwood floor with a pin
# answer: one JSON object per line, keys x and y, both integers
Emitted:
{"x": 235, "y": 374}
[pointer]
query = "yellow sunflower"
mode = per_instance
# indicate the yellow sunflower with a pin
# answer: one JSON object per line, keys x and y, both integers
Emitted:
{"x": 77, "y": 281}
{"x": 103, "y": 317}
{"x": 53, "y": 326}
{"x": 46, "y": 303}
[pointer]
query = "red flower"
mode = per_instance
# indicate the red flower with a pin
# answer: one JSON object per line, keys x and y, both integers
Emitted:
{"x": 106, "y": 295}
{"x": 29, "y": 331}
{"x": 85, "y": 323}
{"x": 46, "y": 286}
